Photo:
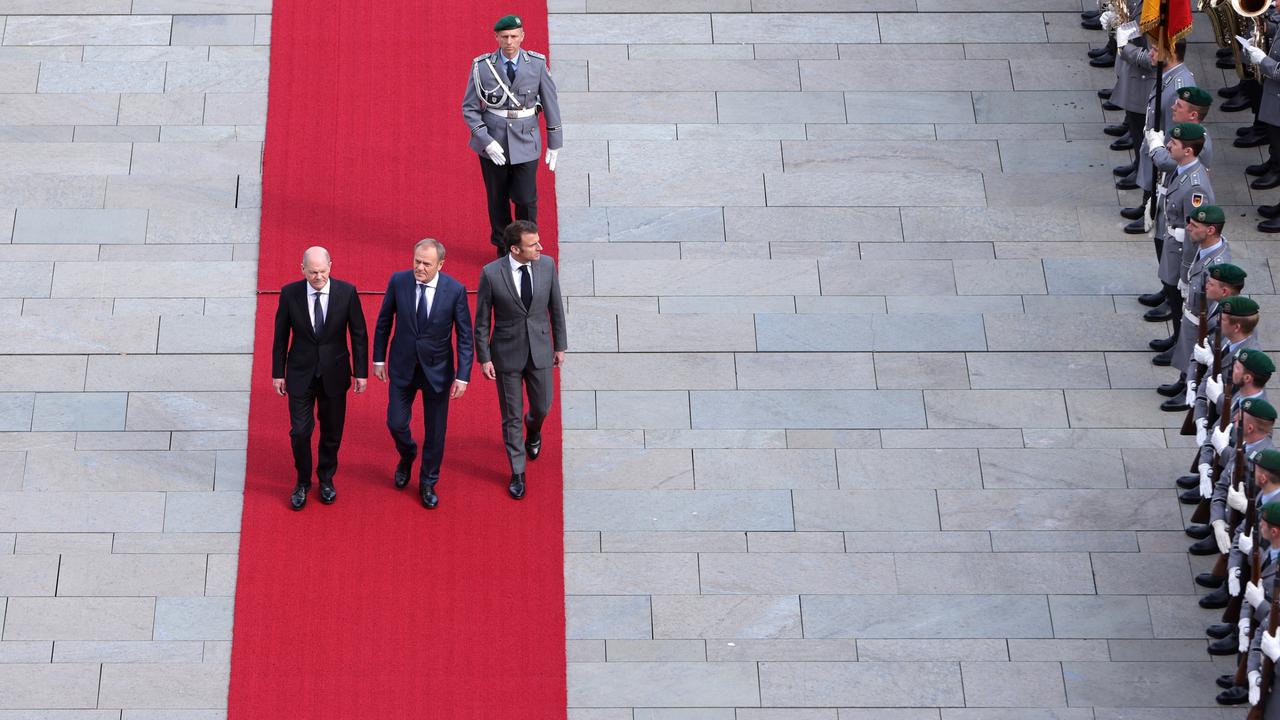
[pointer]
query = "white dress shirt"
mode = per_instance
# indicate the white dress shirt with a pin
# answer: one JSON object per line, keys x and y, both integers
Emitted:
{"x": 311, "y": 302}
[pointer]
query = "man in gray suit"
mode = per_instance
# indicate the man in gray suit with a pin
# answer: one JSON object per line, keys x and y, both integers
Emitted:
{"x": 520, "y": 336}
{"x": 506, "y": 90}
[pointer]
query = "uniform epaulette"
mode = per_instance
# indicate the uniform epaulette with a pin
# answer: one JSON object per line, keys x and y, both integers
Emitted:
{"x": 480, "y": 58}
{"x": 536, "y": 54}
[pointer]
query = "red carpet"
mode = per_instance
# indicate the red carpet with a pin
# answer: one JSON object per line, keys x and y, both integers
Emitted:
{"x": 375, "y": 607}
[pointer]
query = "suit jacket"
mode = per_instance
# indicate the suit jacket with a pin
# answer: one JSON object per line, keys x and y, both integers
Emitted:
{"x": 296, "y": 351}
{"x": 519, "y": 334}
{"x": 533, "y": 87}
{"x": 431, "y": 346}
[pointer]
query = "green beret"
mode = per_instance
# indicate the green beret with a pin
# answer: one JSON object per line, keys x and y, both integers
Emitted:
{"x": 1195, "y": 96}
{"x": 1271, "y": 512}
{"x": 1256, "y": 361}
{"x": 1239, "y": 306}
{"x": 1209, "y": 215}
{"x": 1269, "y": 459}
{"x": 1188, "y": 131}
{"x": 507, "y": 22}
{"x": 1259, "y": 408}
{"x": 1229, "y": 274}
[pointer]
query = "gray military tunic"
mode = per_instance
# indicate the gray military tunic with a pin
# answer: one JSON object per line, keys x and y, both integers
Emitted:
{"x": 1261, "y": 620}
{"x": 489, "y": 95}
{"x": 1175, "y": 78}
{"x": 1218, "y": 509}
{"x": 1184, "y": 192}
{"x": 1196, "y": 276}
{"x": 1134, "y": 80}
{"x": 1269, "y": 108}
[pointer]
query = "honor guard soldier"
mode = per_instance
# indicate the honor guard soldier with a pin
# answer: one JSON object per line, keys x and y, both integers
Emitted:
{"x": 1268, "y": 66}
{"x": 1159, "y": 100}
{"x": 505, "y": 92}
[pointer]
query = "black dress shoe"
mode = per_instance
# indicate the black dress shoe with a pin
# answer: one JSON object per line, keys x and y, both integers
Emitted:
{"x": 1152, "y": 299}
{"x": 1160, "y": 346}
{"x": 1211, "y": 581}
{"x": 1250, "y": 141}
{"x": 1124, "y": 143}
{"x": 1110, "y": 106}
{"x": 1099, "y": 52}
{"x": 1186, "y": 482}
{"x": 1224, "y": 63}
{"x": 1092, "y": 24}
{"x": 1269, "y": 211}
{"x": 1235, "y": 695}
{"x": 1137, "y": 227}
{"x": 1257, "y": 169}
{"x": 1207, "y": 546}
{"x": 1215, "y": 600}
{"x": 1266, "y": 182}
{"x": 1174, "y": 404}
{"x": 1104, "y": 93}
{"x": 1126, "y": 184}
{"x": 1229, "y": 92}
{"x": 1164, "y": 359}
{"x": 1237, "y": 103}
{"x": 1226, "y": 682}
{"x": 1222, "y": 52}
{"x": 516, "y": 488}
{"x": 1192, "y": 497}
{"x": 1173, "y": 389}
{"x": 1198, "y": 531}
{"x": 1124, "y": 170}
{"x": 327, "y": 493}
{"x": 299, "y": 497}
{"x": 1090, "y": 14}
{"x": 1116, "y": 131}
{"x": 1158, "y": 314}
{"x": 429, "y": 497}
{"x": 1270, "y": 226}
{"x": 402, "y": 472}
{"x": 1135, "y": 213}
{"x": 533, "y": 447}
{"x": 1228, "y": 645}
{"x": 1217, "y": 631}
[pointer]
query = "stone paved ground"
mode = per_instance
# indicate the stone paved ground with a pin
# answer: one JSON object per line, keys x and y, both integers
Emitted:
{"x": 859, "y": 414}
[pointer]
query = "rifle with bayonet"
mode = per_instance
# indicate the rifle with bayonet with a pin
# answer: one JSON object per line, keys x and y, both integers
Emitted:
{"x": 1189, "y": 422}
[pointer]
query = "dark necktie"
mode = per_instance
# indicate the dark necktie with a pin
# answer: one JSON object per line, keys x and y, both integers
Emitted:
{"x": 319, "y": 316}
{"x": 526, "y": 287}
{"x": 511, "y": 71}
{"x": 422, "y": 306}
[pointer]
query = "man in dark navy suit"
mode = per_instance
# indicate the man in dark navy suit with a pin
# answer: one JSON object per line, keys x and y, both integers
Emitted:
{"x": 315, "y": 369}
{"x": 428, "y": 309}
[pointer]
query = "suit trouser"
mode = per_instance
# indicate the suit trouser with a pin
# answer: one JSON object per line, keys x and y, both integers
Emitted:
{"x": 511, "y": 389}
{"x": 304, "y": 409}
{"x": 435, "y": 419}
{"x": 1273, "y": 141}
{"x": 504, "y": 185}
{"x": 1137, "y": 124}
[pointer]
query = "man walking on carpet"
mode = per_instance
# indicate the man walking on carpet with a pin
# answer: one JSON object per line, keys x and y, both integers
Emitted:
{"x": 506, "y": 90}
{"x": 429, "y": 311}
{"x": 520, "y": 336}
{"x": 315, "y": 366}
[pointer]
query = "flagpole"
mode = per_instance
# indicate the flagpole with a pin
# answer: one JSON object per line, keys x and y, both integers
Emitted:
{"x": 1162, "y": 35}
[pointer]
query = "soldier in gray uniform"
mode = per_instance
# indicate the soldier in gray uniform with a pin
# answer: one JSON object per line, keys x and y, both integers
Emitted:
{"x": 1176, "y": 76}
{"x": 1208, "y": 248}
{"x": 1133, "y": 84}
{"x": 1186, "y": 190}
{"x": 506, "y": 89}
{"x": 1269, "y": 115}
{"x": 1256, "y": 611}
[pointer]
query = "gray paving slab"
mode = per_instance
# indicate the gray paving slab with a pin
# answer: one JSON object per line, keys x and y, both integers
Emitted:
{"x": 648, "y": 684}
{"x": 679, "y": 510}
{"x": 923, "y": 468}
{"x": 936, "y": 616}
{"x": 1100, "y": 616}
{"x": 852, "y": 409}
{"x": 79, "y": 618}
{"x": 860, "y": 684}
{"x": 737, "y": 616}
{"x": 141, "y": 685}
{"x": 1057, "y": 510}
{"x": 27, "y": 685}
{"x": 608, "y": 616}
{"x": 1146, "y": 684}
{"x": 1052, "y": 468}
{"x": 816, "y": 573}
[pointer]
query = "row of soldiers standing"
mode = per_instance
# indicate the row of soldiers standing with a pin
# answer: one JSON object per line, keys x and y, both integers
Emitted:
{"x": 1234, "y": 471}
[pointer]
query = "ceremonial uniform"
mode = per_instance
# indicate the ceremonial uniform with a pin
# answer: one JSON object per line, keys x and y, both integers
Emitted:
{"x": 503, "y": 99}
{"x": 1175, "y": 78}
{"x": 1186, "y": 190}
{"x": 1194, "y": 276}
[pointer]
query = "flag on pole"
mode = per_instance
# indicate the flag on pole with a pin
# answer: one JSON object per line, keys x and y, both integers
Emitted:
{"x": 1174, "y": 27}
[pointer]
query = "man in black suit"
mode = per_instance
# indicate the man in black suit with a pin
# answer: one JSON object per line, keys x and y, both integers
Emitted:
{"x": 315, "y": 367}
{"x": 428, "y": 308}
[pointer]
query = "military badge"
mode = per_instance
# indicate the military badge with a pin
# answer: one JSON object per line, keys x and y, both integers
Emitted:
{"x": 1197, "y": 199}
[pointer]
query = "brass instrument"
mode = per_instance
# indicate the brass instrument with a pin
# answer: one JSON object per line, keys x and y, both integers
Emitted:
{"x": 1226, "y": 26}
{"x": 1121, "y": 9}
{"x": 1253, "y": 11}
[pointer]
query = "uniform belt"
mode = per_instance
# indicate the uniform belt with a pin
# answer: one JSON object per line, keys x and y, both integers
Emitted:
{"x": 1193, "y": 318}
{"x": 513, "y": 114}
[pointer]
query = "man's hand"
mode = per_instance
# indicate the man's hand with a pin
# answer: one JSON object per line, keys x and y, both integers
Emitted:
{"x": 1202, "y": 431}
{"x": 1270, "y": 646}
{"x": 1245, "y": 542}
{"x": 558, "y": 359}
{"x": 1254, "y": 595}
{"x": 495, "y": 153}
{"x": 1213, "y": 389}
{"x": 1236, "y": 499}
{"x": 278, "y": 385}
{"x": 1206, "y": 479}
{"x": 1221, "y": 438}
{"x": 487, "y": 370}
{"x": 361, "y": 385}
{"x": 1155, "y": 140}
{"x": 458, "y": 389}
{"x": 551, "y": 159}
{"x": 1179, "y": 234}
{"x": 1202, "y": 353}
{"x": 380, "y": 371}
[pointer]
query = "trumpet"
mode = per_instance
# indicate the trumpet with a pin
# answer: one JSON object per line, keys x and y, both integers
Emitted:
{"x": 1253, "y": 10}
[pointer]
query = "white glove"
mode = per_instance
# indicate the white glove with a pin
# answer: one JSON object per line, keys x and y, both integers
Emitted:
{"x": 495, "y": 153}
{"x": 1124, "y": 34}
{"x": 1254, "y": 595}
{"x": 1244, "y": 635}
{"x": 1108, "y": 20}
{"x": 1245, "y": 43}
{"x": 1203, "y": 353}
{"x": 1155, "y": 139}
{"x": 1190, "y": 398}
{"x": 1179, "y": 234}
{"x": 1256, "y": 55}
{"x": 1213, "y": 389}
{"x": 1255, "y": 687}
{"x": 1236, "y": 499}
{"x": 1270, "y": 646}
{"x": 551, "y": 159}
{"x": 1221, "y": 438}
{"x": 1202, "y": 432}
{"x": 1224, "y": 546}
{"x": 1245, "y": 543}
{"x": 1233, "y": 580}
{"x": 1206, "y": 479}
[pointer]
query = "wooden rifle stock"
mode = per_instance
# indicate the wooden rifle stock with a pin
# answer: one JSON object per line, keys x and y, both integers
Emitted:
{"x": 1232, "y": 613}
{"x": 1268, "y": 668}
{"x": 1189, "y": 422}
{"x": 1201, "y": 514}
{"x": 1255, "y": 575}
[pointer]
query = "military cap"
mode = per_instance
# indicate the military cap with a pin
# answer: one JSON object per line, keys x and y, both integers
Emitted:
{"x": 508, "y": 22}
{"x": 1229, "y": 274}
{"x": 1195, "y": 96}
{"x": 1269, "y": 459}
{"x": 1259, "y": 408}
{"x": 1271, "y": 512}
{"x": 1239, "y": 306}
{"x": 1187, "y": 131}
{"x": 1256, "y": 361}
{"x": 1209, "y": 215}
